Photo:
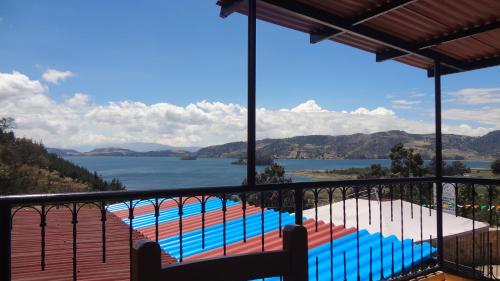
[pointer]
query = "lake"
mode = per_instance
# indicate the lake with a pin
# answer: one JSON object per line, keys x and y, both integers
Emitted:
{"x": 170, "y": 172}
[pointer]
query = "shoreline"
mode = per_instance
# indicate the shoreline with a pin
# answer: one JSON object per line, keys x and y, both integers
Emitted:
{"x": 331, "y": 175}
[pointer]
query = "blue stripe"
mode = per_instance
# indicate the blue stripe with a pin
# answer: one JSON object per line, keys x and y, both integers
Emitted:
{"x": 136, "y": 203}
{"x": 214, "y": 234}
{"x": 173, "y": 213}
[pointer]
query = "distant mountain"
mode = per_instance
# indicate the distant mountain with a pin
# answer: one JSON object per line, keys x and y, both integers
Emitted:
{"x": 62, "y": 152}
{"x": 118, "y": 151}
{"x": 363, "y": 146}
{"x": 137, "y": 146}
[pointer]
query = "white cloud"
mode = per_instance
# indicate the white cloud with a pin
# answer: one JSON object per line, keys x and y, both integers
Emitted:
{"x": 487, "y": 115}
{"x": 78, "y": 100}
{"x": 308, "y": 106}
{"x": 418, "y": 95}
{"x": 55, "y": 76}
{"x": 18, "y": 84}
{"x": 476, "y": 96}
{"x": 76, "y": 121}
{"x": 404, "y": 104}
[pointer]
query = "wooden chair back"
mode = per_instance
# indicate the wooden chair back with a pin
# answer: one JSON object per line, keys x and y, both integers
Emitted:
{"x": 291, "y": 263}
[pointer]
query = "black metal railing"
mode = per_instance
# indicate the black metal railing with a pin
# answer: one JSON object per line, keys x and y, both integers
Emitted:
{"x": 404, "y": 208}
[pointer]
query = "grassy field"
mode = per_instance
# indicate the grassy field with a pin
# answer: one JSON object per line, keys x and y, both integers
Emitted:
{"x": 321, "y": 175}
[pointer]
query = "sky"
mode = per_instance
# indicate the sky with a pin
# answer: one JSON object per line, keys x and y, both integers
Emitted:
{"x": 83, "y": 72}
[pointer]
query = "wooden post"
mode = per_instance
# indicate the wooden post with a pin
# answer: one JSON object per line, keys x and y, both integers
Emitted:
{"x": 146, "y": 261}
{"x": 295, "y": 243}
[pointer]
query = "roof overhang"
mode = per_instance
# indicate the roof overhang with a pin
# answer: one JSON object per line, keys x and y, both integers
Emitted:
{"x": 462, "y": 35}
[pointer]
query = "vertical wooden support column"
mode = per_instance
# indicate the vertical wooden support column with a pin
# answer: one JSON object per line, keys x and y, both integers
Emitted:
{"x": 439, "y": 162}
{"x": 146, "y": 261}
{"x": 295, "y": 243}
{"x": 252, "y": 73}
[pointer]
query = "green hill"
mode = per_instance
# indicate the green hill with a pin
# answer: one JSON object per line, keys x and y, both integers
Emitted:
{"x": 364, "y": 146}
{"x": 26, "y": 167}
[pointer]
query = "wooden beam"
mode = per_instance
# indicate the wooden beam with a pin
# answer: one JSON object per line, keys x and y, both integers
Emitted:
{"x": 461, "y": 34}
{"x": 373, "y": 13}
{"x": 474, "y": 65}
{"x": 230, "y": 7}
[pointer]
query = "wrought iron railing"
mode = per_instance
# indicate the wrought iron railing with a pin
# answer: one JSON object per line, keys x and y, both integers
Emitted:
{"x": 405, "y": 210}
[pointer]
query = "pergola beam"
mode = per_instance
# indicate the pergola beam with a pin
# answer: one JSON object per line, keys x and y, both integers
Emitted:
{"x": 333, "y": 21}
{"x": 230, "y": 7}
{"x": 325, "y": 34}
{"x": 484, "y": 63}
{"x": 392, "y": 54}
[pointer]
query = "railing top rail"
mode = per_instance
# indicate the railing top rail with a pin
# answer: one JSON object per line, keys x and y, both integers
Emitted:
{"x": 471, "y": 180}
{"x": 194, "y": 191}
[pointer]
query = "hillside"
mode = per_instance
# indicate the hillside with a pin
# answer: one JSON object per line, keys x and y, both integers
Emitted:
{"x": 27, "y": 167}
{"x": 363, "y": 146}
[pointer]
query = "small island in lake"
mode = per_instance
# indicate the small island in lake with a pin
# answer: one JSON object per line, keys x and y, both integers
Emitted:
{"x": 265, "y": 160}
{"x": 189, "y": 157}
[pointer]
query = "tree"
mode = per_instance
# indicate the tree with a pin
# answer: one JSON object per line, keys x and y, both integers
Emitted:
{"x": 406, "y": 163}
{"x": 457, "y": 168}
{"x": 7, "y": 123}
{"x": 375, "y": 171}
{"x": 272, "y": 174}
{"x": 495, "y": 167}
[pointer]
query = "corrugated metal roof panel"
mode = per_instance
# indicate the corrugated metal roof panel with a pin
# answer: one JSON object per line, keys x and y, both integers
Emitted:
{"x": 416, "y": 22}
{"x": 26, "y": 247}
{"x": 343, "y": 240}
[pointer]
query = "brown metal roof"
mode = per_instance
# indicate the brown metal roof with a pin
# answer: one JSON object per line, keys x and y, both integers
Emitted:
{"x": 26, "y": 247}
{"x": 462, "y": 34}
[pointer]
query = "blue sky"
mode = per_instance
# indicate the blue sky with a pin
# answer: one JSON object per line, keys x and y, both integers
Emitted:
{"x": 182, "y": 52}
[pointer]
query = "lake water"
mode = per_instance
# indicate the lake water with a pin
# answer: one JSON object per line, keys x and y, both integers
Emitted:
{"x": 171, "y": 172}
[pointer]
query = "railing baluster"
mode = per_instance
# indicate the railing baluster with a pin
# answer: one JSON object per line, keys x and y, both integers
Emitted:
{"x": 391, "y": 191}
{"x": 411, "y": 199}
{"x": 421, "y": 224}
{"x": 457, "y": 245}
{"x": 490, "y": 222}
{"x": 280, "y": 206}
{"x": 181, "y": 213}
{"x": 224, "y": 201}
{"x": 357, "y": 232}
{"x": 130, "y": 232}
{"x": 317, "y": 271}
{"x": 392, "y": 259}
{"x": 157, "y": 218}
{"x": 203, "y": 211}
{"x": 262, "y": 220}
{"x": 412, "y": 255}
{"x": 330, "y": 201}
{"x": 345, "y": 267}
{"x": 103, "y": 230}
{"x": 401, "y": 187}
{"x": 430, "y": 199}
{"x": 299, "y": 200}
{"x": 343, "y": 204}
{"x": 473, "y": 196}
{"x": 244, "y": 210}
{"x": 43, "y": 224}
{"x": 74, "y": 222}
{"x": 430, "y": 251}
{"x": 381, "y": 232}
{"x": 371, "y": 265}
{"x": 316, "y": 209}
{"x": 369, "y": 204}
